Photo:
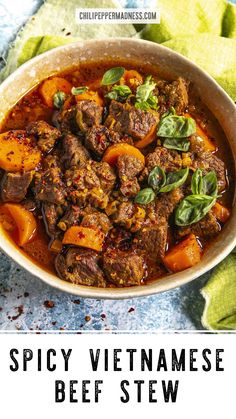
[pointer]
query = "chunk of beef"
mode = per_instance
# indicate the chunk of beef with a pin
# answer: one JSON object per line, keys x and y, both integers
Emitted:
{"x": 75, "y": 152}
{"x": 45, "y": 134}
{"x": 166, "y": 203}
{"x": 49, "y": 186}
{"x": 128, "y": 166}
{"x": 172, "y": 94}
{"x": 129, "y": 215}
{"x": 208, "y": 162}
{"x": 92, "y": 184}
{"x": 126, "y": 119}
{"x": 206, "y": 228}
{"x": 98, "y": 138}
{"x": 168, "y": 160}
{"x": 130, "y": 188}
{"x": 123, "y": 269}
{"x": 71, "y": 217}
{"x": 80, "y": 266}
{"x": 65, "y": 120}
{"x": 51, "y": 214}
{"x": 14, "y": 186}
{"x": 88, "y": 114}
{"x": 152, "y": 238}
{"x": 97, "y": 219}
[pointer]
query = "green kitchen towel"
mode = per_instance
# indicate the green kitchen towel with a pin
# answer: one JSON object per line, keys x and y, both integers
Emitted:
{"x": 202, "y": 30}
{"x": 220, "y": 296}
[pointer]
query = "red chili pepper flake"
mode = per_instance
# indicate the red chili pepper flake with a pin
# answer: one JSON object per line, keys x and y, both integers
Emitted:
{"x": 54, "y": 323}
{"x": 103, "y": 316}
{"x": 76, "y": 301}
{"x": 81, "y": 235}
{"x": 61, "y": 328}
{"x": 26, "y": 294}
{"x": 87, "y": 318}
{"x": 20, "y": 310}
{"x": 48, "y": 304}
{"x": 131, "y": 309}
{"x": 0, "y": 308}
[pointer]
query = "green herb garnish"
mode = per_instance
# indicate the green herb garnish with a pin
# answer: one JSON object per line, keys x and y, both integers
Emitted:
{"x": 79, "y": 90}
{"x": 145, "y": 196}
{"x": 157, "y": 178}
{"x": 119, "y": 93}
{"x": 175, "y": 180}
{"x": 59, "y": 99}
{"x": 193, "y": 208}
{"x": 174, "y": 126}
{"x": 112, "y": 76}
{"x": 145, "y": 100}
{"x": 180, "y": 144}
{"x": 204, "y": 185}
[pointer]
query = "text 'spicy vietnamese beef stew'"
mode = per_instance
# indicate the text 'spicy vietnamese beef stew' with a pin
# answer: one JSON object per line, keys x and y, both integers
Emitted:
{"x": 112, "y": 176}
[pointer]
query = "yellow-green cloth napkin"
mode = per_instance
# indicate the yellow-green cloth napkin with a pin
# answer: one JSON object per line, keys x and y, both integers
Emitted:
{"x": 202, "y": 30}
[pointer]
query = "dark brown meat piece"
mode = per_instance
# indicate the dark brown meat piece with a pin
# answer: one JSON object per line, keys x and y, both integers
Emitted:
{"x": 49, "y": 186}
{"x": 74, "y": 152}
{"x": 88, "y": 114}
{"x": 14, "y": 186}
{"x": 128, "y": 167}
{"x": 97, "y": 219}
{"x": 65, "y": 120}
{"x": 166, "y": 203}
{"x": 172, "y": 94}
{"x": 80, "y": 266}
{"x": 98, "y": 138}
{"x": 51, "y": 213}
{"x": 206, "y": 228}
{"x": 71, "y": 217}
{"x": 124, "y": 269}
{"x": 129, "y": 215}
{"x": 168, "y": 160}
{"x": 208, "y": 162}
{"x": 126, "y": 119}
{"x": 45, "y": 134}
{"x": 130, "y": 188}
{"x": 92, "y": 184}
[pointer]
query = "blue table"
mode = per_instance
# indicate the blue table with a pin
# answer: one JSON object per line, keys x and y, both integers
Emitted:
{"x": 23, "y": 298}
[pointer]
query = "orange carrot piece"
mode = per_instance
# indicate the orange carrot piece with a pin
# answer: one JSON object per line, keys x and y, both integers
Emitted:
{"x": 114, "y": 151}
{"x": 17, "y": 152}
{"x": 24, "y": 220}
{"x": 208, "y": 143}
{"x": 221, "y": 212}
{"x": 90, "y": 95}
{"x": 131, "y": 78}
{"x": 148, "y": 139}
{"x": 95, "y": 84}
{"x": 85, "y": 237}
{"x": 184, "y": 255}
{"x": 51, "y": 86}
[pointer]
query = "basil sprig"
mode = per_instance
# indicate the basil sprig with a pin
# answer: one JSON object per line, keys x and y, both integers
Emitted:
{"x": 79, "y": 90}
{"x": 180, "y": 144}
{"x": 145, "y": 100}
{"x": 112, "y": 76}
{"x": 175, "y": 180}
{"x": 145, "y": 196}
{"x": 174, "y": 126}
{"x": 204, "y": 185}
{"x": 119, "y": 93}
{"x": 193, "y": 208}
{"x": 59, "y": 99}
{"x": 157, "y": 178}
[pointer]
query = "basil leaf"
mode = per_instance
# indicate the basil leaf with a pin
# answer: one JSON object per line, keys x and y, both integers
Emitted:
{"x": 157, "y": 178}
{"x": 119, "y": 93}
{"x": 145, "y": 196}
{"x": 210, "y": 184}
{"x": 170, "y": 111}
{"x": 175, "y": 179}
{"x": 196, "y": 183}
{"x": 181, "y": 144}
{"x": 174, "y": 126}
{"x": 193, "y": 208}
{"x": 59, "y": 99}
{"x": 112, "y": 76}
{"x": 145, "y": 100}
{"x": 78, "y": 90}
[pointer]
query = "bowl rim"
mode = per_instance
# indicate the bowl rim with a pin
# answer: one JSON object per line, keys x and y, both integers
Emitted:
{"x": 160, "y": 285}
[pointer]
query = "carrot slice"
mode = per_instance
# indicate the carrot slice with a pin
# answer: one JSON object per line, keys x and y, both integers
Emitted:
{"x": 209, "y": 145}
{"x": 114, "y": 151}
{"x": 24, "y": 220}
{"x": 90, "y": 95}
{"x": 17, "y": 152}
{"x": 221, "y": 212}
{"x": 148, "y": 139}
{"x": 85, "y": 237}
{"x": 131, "y": 78}
{"x": 184, "y": 255}
{"x": 51, "y": 86}
{"x": 95, "y": 84}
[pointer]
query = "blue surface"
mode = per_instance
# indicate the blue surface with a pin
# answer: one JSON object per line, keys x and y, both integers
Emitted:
{"x": 22, "y": 297}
